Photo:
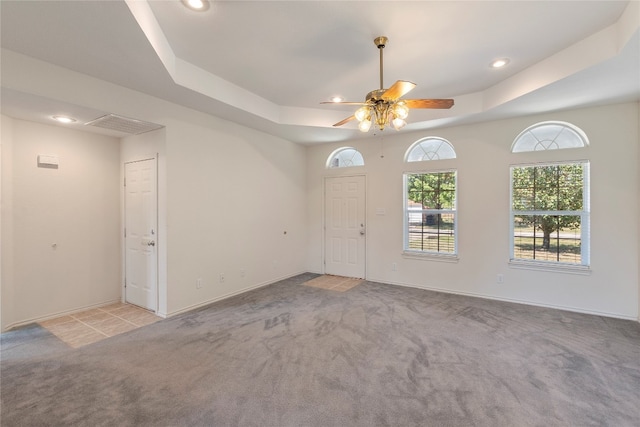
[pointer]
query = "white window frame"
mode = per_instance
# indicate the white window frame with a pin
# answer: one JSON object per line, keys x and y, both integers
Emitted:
{"x": 429, "y": 140}
{"x": 561, "y": 141}
{"x": 585, "y": 223}
{"x": 422, "y": 254}
{"x": 335, "y": 155}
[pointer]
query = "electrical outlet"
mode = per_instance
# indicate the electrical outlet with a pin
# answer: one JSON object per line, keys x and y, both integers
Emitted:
{"x": 500, "y": 278}
{"x": 221, "y": 277}
{"x": 394, "y": 266}
{"x": 198, "y": 283}
{"x": 243, "y": 272}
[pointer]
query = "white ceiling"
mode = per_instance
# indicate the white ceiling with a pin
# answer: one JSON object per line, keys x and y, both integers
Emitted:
{"x": 268, "y": 64}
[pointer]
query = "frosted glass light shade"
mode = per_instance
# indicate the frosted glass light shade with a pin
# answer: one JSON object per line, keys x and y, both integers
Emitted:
{"x": 398, "y": 123}
{"x": 362, "y": 113}
{"x": 364, "y": 125}
{"x": 401, "y": 111}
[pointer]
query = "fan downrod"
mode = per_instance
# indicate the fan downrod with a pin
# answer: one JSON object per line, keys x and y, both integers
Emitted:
{"x": 381, "y": 41}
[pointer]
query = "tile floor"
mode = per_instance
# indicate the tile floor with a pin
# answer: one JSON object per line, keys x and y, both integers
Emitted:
{"x": 334, "y": 283}
{"x": 93, "y": 325}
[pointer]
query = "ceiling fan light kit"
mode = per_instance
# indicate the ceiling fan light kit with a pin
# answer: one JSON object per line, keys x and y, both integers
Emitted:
{"x": 384, "y": 106}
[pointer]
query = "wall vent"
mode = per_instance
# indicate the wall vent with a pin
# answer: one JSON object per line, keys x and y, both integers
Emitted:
{"x": 123, "y": 124}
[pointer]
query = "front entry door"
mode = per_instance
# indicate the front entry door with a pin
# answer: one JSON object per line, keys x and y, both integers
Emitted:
{"x": 345, "y": 237}
{"x": 141, "y": 234}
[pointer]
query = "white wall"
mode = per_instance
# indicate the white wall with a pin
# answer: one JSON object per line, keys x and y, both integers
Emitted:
{"x": 231, "y": 201}
{"x": 62, "y": 225}
{"x": 232, "y": 193}
{"x": 227, "y": 195}
{"x": 6, "y": 221}
{"x": 483, "y": 162}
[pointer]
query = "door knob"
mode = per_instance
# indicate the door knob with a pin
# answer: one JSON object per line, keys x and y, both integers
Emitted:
{"x": 151, "y": 243}
{"x": 362, "y": 232}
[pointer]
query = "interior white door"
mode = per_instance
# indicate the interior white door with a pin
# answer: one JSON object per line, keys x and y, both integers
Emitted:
{"x": 141, "y": 233}
{"x": 345, "y": 230}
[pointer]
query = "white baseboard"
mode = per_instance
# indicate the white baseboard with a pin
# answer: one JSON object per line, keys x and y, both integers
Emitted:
{"x": 513, "y": 300}
{"x": 58, "y": 314}
{"x": 229, "y": 295}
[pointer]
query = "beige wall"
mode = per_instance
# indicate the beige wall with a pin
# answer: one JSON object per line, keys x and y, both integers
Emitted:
{"x": 483, "y": 162}
{"x": 62, "y": 225}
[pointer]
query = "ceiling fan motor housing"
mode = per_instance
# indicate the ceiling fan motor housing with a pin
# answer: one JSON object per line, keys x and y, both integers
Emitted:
{"x": 380, "y": 41}
{"x": 375, "y": 95}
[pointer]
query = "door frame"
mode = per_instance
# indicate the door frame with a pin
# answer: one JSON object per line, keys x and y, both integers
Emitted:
{"x": 324, "y": 219}
{"x": 123, "y": 290}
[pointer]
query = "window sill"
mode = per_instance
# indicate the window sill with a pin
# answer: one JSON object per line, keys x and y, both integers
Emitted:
{"x": 430, "y": 256}
{"x": 584, "y": 270}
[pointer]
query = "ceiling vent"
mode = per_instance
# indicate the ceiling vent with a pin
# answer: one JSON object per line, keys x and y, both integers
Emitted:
{"x": 123, "y": 124}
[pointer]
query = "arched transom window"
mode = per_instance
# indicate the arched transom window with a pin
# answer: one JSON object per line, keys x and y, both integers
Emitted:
{"x": 345, "y": 157}
{"x": 549, "y": 136}
{"x": 431, "y": 148}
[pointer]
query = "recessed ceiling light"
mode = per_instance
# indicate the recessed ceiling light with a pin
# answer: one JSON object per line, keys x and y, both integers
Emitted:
{"x": 337, "y": 99}
{"x": 197, "y": 5}
{"x": 63, "y": 119}
{"x": 499, "y": 63}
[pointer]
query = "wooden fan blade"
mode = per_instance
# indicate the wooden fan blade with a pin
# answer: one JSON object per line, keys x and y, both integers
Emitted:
{"x": 343, "y": 103}
{"x": 347, "y": 120}
{"x": 398, "y": 89}
{"x": 428, "y": 103}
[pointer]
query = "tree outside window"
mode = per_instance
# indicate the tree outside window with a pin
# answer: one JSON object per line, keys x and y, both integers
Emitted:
{"x": 550, "y": 212}
{"x": 430, "y": 212}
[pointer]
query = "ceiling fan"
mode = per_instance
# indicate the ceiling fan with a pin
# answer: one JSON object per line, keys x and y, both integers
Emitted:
{"x": 384, "y": 106}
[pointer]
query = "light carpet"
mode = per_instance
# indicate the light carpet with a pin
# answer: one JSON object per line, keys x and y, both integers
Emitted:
{"x": 291, "y": 355}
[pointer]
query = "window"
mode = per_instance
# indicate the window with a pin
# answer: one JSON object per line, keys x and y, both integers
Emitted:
{"x": 550, "y": 213}
{"x": 431, "y": 148}
{"x": 345, "y": 157}
{"x": 430, "y": 212}
{"x": 549, "y": 136}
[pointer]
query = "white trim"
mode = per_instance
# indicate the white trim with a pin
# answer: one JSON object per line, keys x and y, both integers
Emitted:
{"x": 550, "y": 266}
{"x": 565, "y": 125}
{"x": 405, "y": 214}
{"x": 324, "y": 218}
{"x": 585, "y": 222}
{"x": 419, "y": 142}
{"x": 136, "y": 159}
{"x": 430, "y": 256}
{"x": 511, "y": 300}
{"x": 59, "y": 314}
{"x": 337, "y": 151}
{"x": 229, "y": 295}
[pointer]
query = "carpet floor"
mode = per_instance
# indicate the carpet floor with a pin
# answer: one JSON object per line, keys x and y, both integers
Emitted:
{"x": 375, "y": 355}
